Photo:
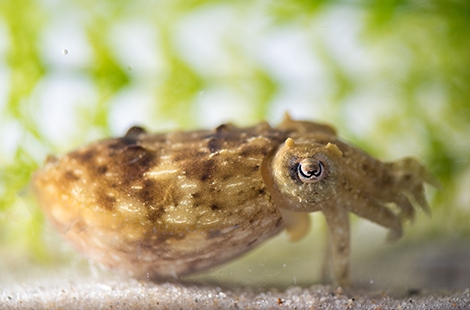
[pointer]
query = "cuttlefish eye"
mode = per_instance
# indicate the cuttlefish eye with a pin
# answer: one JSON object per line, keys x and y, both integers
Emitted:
{"x": 310, "y": 170}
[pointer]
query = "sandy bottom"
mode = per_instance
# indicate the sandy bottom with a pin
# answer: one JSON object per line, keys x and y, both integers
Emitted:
{"x": 88, "y": 293}
{"x": 432, "y": 275}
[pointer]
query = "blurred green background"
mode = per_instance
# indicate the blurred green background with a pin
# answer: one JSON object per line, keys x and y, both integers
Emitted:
{"x": 392, "y": 75}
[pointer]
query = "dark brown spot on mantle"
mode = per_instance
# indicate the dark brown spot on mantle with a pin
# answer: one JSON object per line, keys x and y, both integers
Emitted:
{"x": 135, "y": 131}
{"x": 213, "y": 233}
{"x": 214, "y": 145}
{"x": 106, "y": 202}
{"x": 69, "y": 175}
{"x": 102, "y": 169}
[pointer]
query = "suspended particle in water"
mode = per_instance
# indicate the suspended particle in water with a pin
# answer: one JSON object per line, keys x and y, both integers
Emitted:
{"x": 65, "y": 52}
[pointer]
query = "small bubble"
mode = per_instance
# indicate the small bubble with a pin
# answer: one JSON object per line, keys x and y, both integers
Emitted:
{"x": 65, "y": 52}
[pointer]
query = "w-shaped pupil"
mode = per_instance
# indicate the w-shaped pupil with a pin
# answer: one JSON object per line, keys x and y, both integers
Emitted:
{"x": 310, "y": 170}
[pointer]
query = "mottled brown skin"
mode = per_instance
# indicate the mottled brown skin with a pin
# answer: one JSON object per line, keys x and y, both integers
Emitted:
{"x": 171, "y": 204}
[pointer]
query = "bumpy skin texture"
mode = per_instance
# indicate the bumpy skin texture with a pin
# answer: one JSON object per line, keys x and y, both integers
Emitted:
{"x": 171, "y": 204}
